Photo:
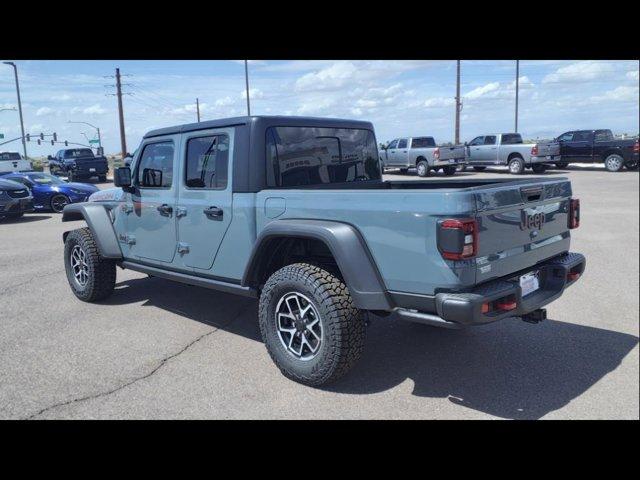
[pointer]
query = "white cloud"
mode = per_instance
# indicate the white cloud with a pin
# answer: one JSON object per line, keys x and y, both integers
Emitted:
{"x": 44, "y": 111}
{"x": 483, "y": 90}
{"x": 253, "y": 93}
{"x": 95, "y": 109}
{"x": 439, "y": 102}
{"x": 632, "y": 75}
{"x": 224, "y": 101}
{"x": 620, "y": 94}
{"x": 580, "y": 72}
{"x": 366, "y": 103}
{"x": 61, "y": 98}
{"x": 332, "y": 77}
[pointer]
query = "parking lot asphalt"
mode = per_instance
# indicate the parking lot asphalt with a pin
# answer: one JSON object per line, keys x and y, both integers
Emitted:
{"x": 157, "y": 349}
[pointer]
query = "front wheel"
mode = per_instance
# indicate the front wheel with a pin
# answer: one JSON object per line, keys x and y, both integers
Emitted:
{"x": 516, "y": 165}
{"x": 450, "y": 170}
{"x": 538, "y": 168}
{"x": 614, "y": 162}
{"x": 422, "y": 168}
{"x": 58, "y": 202}
{"x": 91, "y": 276}
{"x": 312, "y": 331}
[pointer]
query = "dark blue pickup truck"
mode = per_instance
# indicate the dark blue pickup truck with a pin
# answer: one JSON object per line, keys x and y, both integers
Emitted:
{"x": 78, "y": 164}
{"x": 598, "y": 146}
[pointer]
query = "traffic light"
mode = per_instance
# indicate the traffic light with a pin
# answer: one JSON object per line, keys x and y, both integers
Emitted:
{"x": 39, "y": 142}
{"x": 28, "y": 137}
{"x": 53, "y": 142}
{"x": 55, "y": 137}
{"x": 41, "y": 136}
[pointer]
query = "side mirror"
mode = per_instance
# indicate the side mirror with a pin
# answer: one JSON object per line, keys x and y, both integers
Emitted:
{"x": 122, "y": 177}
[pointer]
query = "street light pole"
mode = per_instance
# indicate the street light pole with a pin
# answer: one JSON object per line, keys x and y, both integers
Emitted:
{"x": 92, "y": 126}
{"x": 15, "y": 72}
{"x": 246, "y": 78}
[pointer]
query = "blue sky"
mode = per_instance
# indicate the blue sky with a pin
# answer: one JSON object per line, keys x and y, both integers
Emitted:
{"x": 400, "y": 97}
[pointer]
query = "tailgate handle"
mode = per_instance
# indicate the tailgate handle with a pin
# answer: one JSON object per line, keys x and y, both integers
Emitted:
{"x": 531, "y": 194}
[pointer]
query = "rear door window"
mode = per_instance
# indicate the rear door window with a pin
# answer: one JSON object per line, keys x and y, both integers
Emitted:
{"x": 299, "y": 156}
{"x": 207, "y": 162}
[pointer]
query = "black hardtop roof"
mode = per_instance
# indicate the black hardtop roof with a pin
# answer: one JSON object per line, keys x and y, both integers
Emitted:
{"x": 262, "y": 122}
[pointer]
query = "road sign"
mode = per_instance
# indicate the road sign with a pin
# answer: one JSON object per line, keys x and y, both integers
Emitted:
{"x": 94, "y": 141}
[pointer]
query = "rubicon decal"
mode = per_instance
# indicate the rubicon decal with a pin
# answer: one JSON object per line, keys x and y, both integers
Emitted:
{"x": 535, "y": 220}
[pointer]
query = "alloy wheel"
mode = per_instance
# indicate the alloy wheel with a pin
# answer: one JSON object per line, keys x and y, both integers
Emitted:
{"x": 298, "y": 326}
{"x": 79, "y": 266}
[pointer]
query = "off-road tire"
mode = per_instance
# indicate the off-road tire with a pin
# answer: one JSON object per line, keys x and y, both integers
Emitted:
{"x": 479, "y": 169}
{"x": 538, "y": 168}
{"x": 101, "y": 271}
{"x": 516, "y": 165}
{"x": 343, "y": 325}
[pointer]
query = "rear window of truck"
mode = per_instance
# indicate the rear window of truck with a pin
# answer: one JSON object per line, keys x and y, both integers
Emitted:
{"x": 78, "y": 152}
{"x": 10, "y": 156}
{"x": 423, "y": 142}
{"x": 299, "y": 156}
{"x": 511, "y": 139}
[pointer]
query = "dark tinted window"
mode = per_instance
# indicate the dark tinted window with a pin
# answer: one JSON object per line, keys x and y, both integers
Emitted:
{"x": 402, "y": 143}
{"x": 10, "y": 156}
{"x": 207, "y": 162}
{"x": 155, "y": 169}
{"x": 603, "y": 135}
{"x": 566, "y": 137}
{"x": 490, "y": 140}
{"x": 584, "y": 136}
{"x": 511, "y": 139}
{"x": 423, "y": 142}
{"x": 311, "y": 156}
{"x": 78, "y": 152}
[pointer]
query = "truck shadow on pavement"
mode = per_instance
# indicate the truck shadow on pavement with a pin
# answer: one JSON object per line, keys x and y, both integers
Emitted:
{"x": 509, "y": 369}
{"x": 24, "y": 219}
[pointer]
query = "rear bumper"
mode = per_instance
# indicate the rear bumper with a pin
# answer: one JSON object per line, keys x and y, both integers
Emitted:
{"x": 546, "y": 159}
{"x": 446, "y": 163}
{"x": 461, "y": 309}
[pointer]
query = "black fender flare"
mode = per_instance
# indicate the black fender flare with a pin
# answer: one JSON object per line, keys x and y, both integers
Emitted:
{"x": 99, "y": 222}
{"x": 347, "y": 246}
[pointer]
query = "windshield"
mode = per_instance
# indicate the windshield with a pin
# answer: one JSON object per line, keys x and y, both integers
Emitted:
{"x": 78, "y": 152}
{"x": 44, "y": 179}
{"x": 10, "y": 156}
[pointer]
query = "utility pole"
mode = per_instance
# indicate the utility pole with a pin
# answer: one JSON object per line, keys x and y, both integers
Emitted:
{"x": 198, "y": 109}
{"x": 458, "y": 104}
{"x": 123, "y": 141}
{"x": 15, "y": 72}
{"x": 246, "y": 78}
{"x": 517, "y": 85}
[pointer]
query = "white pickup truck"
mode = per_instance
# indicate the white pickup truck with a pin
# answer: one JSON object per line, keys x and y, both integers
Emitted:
{"x": 13, "y": 162}
{"x": 509, "y": 150}
{"x": 423, "y": 154}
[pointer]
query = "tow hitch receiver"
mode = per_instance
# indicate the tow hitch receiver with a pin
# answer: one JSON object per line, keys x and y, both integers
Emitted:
{"x": 536, "y": 316}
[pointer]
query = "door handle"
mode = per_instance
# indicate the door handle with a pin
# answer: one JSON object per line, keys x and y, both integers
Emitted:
{"x": 213, "y": 213}
{"x": 165, "y": 209}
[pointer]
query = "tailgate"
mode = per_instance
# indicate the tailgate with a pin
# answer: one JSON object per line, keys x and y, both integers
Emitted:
{"x": 545, "y": 149}
{"x": 85, "y": 164}
{"x": 520, "y": 224}
{"x": 447, "y": 153}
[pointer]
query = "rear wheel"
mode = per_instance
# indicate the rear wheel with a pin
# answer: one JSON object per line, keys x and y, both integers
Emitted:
{"x": 614, "y": 162}
{"x": 479, "y": 169}
{"x": 90, "y": 276}
{"x": 308, "y": 322}
{"x": 538, "y": 168}
{"x": 58, "y": 202}
{"x": 450, "y": 170}
{"x": 516, "y": 165}
{"x": 422, "y": 168}
{"x": 562, "y": 164}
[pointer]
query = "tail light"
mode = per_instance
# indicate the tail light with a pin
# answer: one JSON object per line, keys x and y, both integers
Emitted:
{"x": 636, "y": 147}
{"x": 436, "y": 154}
{"x": 458, "y": 239}
{"x": 574, "y": 213}
{"x": 534, "y": 150}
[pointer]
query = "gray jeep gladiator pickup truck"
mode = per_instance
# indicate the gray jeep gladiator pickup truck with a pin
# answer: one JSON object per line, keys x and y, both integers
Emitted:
{"x": 294, "y": 211}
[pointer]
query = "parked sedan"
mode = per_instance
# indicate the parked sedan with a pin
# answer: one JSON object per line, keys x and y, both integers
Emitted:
{"x": 15, "y": 199}
{"x": 50, "y": 192}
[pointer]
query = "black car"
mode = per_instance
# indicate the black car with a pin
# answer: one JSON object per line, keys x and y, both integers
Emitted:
{"x": 596, "y": 146}
{"x": 78, "y": 164}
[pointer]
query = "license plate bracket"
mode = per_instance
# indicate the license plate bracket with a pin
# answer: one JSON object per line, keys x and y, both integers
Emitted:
{"x": 529, "y": 283}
